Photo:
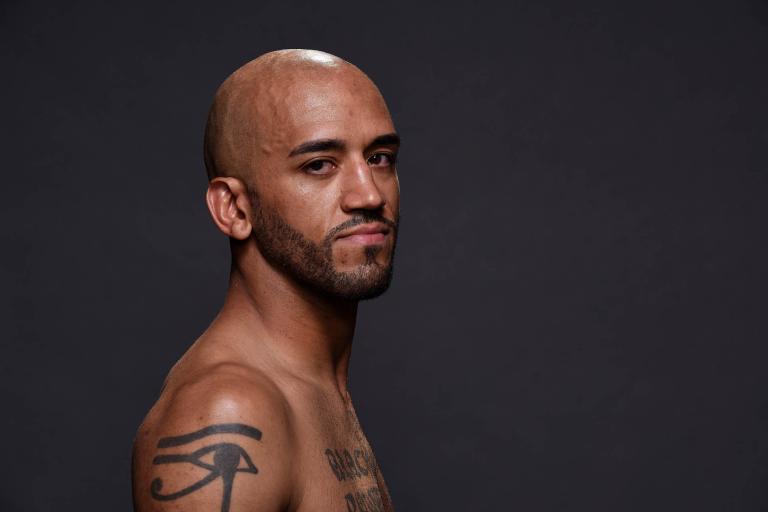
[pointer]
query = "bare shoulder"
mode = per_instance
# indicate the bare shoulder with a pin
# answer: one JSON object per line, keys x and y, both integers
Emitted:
{"x": 218, "y": 439}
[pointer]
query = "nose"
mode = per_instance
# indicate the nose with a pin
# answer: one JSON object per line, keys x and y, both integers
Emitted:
{"x": 359, "y": 189}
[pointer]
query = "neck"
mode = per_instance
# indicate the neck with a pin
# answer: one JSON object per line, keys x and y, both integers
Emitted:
{"x": 305, "y": 333}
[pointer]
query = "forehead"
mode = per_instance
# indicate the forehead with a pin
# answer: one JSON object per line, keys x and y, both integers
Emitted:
{"x": 326, "y": 106}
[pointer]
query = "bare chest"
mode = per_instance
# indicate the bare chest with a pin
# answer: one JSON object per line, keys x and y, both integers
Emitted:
{"x": 339, "y": 469}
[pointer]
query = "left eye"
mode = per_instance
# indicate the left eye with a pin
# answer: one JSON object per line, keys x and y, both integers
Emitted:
{"x": 380, "y": 159}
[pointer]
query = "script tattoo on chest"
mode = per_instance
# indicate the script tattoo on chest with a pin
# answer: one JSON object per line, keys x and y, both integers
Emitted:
{"x": 368, "y": 501}
{"x": 228, "y": 459}
{"x": 352, "y": 465}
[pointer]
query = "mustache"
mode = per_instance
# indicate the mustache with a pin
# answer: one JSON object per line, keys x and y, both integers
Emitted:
{"x": 362, "y": 218}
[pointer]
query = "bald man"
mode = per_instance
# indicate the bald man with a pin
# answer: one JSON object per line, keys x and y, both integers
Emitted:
{"x": 300, "y": 151}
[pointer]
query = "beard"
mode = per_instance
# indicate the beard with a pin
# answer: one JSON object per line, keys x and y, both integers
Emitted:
{"x": 312, "y": 265}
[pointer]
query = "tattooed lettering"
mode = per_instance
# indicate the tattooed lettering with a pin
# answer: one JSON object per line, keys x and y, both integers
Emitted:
{"x": 351, "y": 464}
{"x": 369, "y": 501}
{"x": 228, "y": 460}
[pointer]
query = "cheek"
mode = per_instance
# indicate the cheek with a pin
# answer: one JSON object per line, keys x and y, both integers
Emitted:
{"x": 391, "y": 190}
{"x": 307, "y": 208}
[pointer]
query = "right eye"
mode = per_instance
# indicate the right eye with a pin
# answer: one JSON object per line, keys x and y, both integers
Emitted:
{"x": 319, "y": 167}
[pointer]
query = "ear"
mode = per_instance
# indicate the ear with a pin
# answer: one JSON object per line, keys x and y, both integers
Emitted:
{"x": 230, "y": 206}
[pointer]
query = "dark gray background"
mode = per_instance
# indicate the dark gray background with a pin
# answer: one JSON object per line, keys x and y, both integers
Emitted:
{"x": 578, "y": 318}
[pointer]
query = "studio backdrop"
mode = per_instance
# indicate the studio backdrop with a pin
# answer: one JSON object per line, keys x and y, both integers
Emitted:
{"x": 578, "y": 314}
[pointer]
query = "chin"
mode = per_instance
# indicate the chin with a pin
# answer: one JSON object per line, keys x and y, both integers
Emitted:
{"x": 365, "y": 282}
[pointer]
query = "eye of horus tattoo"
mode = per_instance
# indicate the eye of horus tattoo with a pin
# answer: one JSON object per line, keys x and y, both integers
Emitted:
{"x": 228, "y": 460}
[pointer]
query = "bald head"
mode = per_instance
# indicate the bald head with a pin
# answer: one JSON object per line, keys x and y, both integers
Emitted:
{"x": 260, "y": 103}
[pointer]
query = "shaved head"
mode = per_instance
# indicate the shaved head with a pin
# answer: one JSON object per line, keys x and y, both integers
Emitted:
{"x": 253, "y": 105}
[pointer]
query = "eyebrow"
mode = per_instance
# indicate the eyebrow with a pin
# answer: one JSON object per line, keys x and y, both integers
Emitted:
{"x": 390, "y": 139}
{"x": 315, "y": 146}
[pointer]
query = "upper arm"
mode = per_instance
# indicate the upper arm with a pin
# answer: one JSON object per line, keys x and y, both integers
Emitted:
{"x": 219, "y": 444}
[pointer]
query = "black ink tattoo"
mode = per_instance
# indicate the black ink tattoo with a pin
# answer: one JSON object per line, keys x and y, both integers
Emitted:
{"x": 351, "y": 464}
{"x": 223, "y": 428}
{"x": 369, "y": 501}
{"x": 226, "y": 464}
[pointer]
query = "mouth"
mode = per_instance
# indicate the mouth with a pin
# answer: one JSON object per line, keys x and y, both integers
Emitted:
{"x": 366, "y": 234}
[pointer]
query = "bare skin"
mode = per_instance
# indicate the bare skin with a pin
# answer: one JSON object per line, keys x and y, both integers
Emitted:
{"x": 257, "y": 414}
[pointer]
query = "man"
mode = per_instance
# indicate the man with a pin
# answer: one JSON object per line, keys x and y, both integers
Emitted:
{"x": 300, "y": 150}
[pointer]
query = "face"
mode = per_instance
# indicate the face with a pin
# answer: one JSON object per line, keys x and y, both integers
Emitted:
{"x": 325, "y": 191}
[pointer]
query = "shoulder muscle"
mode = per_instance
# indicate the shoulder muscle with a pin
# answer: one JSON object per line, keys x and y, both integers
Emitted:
{"x": 218, "y": 442}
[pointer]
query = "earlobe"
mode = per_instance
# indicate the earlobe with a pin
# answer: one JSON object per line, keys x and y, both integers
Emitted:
{"x": 226, "y": 199}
